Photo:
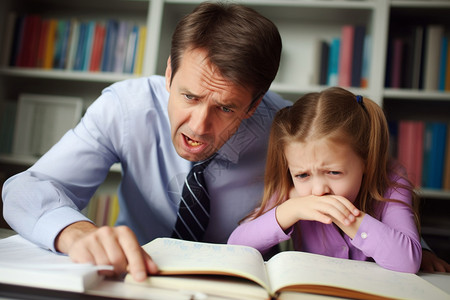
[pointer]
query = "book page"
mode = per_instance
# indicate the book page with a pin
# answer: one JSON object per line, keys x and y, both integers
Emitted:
{"x": 24, "y": 263}
{"x": 175, "y": 256}
{"x": 293, "y": 268}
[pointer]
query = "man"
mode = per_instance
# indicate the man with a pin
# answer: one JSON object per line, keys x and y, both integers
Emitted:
{"x": 211, "y": 103}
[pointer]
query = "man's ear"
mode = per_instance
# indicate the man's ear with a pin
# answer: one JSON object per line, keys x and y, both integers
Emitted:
{"x": 168, "y": 74}
{"x": 253, "y": 108}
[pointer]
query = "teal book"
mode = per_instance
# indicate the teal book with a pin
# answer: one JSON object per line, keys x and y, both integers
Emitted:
{"x": 434, "y": 154}
{"x": 443, "y": 64}
{"x": 333, "y": 62}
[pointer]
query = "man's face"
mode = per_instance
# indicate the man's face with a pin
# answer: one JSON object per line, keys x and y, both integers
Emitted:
{"x": 205, "y": 110}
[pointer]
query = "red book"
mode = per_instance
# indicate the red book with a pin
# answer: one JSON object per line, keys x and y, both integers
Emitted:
{"x": 97, "y": 47}
{"x": 410, "y": 149}
{"x": 40, "y": 56}
{"x": 24, "y": 50}
{"x": 346, "y": 56}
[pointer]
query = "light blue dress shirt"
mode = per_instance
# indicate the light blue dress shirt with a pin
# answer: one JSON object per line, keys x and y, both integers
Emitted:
{"x": 128, "y": 124}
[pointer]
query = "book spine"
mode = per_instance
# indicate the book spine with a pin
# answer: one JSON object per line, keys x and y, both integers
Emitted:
{"x": 49, "y": 45}
{"x": 366, "y": 61}
{"x": 9, "y": 38}
{"x": 443, "y": 63}
{"x": 396, "y": 66}
{"x": 346, "y": 56}
{"x": 324, "y": 62}
{"x": 73, "y": 42}
{"x": 446, "y": 172}
{"x": 333, "y": 67}
{"x": 357, "y": 61}
{"x": 140, "y": 50}
{"x": 417, "y": 57}
{"x": 434, "y": 34}
{"x": 120, "y": 50}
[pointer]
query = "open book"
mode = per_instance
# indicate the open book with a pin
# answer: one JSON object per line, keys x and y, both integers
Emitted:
{"x": 240, "y": 272}
{"x": 24, "y": 263}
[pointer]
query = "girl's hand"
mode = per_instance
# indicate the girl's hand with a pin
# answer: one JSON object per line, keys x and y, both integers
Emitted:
{"x": 324, "y": 209}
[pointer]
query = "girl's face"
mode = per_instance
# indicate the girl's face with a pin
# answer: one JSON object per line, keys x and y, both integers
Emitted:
{"x": 323, "y": 167}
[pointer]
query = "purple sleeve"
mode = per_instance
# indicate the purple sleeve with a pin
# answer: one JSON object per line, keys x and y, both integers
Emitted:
{"x": 394, "y": 241}
{"x": 261, "y": 233}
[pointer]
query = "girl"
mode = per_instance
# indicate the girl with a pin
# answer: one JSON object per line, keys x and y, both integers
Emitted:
{"x": 331, "y": 186}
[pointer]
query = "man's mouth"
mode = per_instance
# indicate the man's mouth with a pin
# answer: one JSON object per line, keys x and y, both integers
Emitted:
{"x": 192, "y": 142}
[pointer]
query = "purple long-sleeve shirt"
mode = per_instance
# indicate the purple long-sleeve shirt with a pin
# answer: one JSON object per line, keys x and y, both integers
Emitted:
{"x": 393, "y": 241}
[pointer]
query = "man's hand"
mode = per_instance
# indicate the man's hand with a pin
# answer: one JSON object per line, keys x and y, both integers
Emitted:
{"x": 431, "y": 263}
{"x": 116, "y": 246}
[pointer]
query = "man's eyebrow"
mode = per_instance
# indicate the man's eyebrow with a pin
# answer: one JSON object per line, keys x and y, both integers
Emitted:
{"x": 228, "y": 105}
{"x": 188, "y": 92}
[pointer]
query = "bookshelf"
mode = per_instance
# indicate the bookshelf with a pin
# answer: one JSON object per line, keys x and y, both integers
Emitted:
{"x": 301, "y": 23}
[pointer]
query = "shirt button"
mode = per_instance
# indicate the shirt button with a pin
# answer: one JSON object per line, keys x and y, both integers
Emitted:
{"x": 363, "y": 235}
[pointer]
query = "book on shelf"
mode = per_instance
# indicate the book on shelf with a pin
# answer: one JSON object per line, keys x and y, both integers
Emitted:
{"x": 26, "y": 264}
{"x": 446, "y": 179}
{"x": 346, "y": 56}
{"x": 443, "y": 57}
{"x": 358, "y": 53}
{"x": 130, "y": 53}
{"x": 418, "y": 57}
{"x": 323, "y": 62}
{"x": 240, "y": 272}
{"x": 434, "y": 154}
{"x": 49, "y": 44}
{"x": 121, "y": 46}
{"x": 333, "y": 62}
{"x": 366, "y": 61}
{"x": 395, "y": 69}
{"x": 110, "y": 44}
{"x": 410, "y": 148}
{"x": 8, "y": 38}
{"x": 70, "y": 44}
{"x": 432, "y": 45}
{"x": 97, "y": 47}
{"x": 447, "y": 70}
{"x": 140, "y": 51}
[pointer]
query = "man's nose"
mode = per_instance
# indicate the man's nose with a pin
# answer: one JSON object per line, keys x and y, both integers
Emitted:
{"x": 200, "y": 121}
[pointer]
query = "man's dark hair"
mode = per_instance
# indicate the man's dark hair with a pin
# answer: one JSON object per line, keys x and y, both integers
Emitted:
{"x": 243, "y": 44}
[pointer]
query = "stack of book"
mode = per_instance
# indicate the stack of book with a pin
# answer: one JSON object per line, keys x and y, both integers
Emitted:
{"x": 418, "y": 58}
{"x": 423, "y": 148}
{"x": 343, "y": 61}
{"x": 70, "y": 44}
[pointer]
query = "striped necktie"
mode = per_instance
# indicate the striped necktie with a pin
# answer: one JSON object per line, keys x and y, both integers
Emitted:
{"x": 193, "y": 213}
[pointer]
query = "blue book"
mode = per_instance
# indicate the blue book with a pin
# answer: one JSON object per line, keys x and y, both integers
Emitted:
{"x": 443, "y": 64}
{"x": 78, "y": 63}
{"x": 109, "y": 47}
{"x": 131, "y": 50}
{"x": 62, "y": 39}
{"x": 333, "y": 62}
{"x": 434, "y": 154}
{"x": 358, "y": 48}
{"x": 438, "y": 154}
{"x": 88, "y": 46}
